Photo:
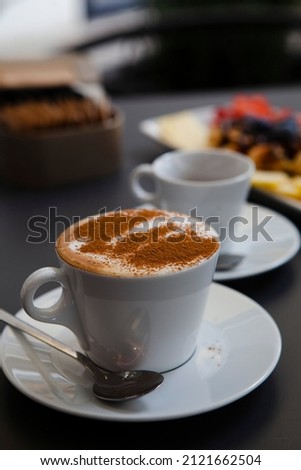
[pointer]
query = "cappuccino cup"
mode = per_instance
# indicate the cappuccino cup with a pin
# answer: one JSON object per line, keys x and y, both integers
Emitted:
{"x": 134, "y": 287}
{"x": 211, "y": 184}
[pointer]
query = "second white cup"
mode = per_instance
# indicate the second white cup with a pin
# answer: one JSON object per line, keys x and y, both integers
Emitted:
{"x": 212, "y": 184}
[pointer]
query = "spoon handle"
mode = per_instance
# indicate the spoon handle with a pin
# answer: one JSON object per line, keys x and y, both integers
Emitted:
{"x": 30, "y": 330}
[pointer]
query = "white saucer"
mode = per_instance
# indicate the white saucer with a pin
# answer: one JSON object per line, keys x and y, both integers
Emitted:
{"x": 238, "y": 348}
{"x": 262, "y": 253}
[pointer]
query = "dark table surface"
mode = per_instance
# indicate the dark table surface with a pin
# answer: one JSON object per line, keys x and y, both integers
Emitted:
{"x": 267, "y": 418}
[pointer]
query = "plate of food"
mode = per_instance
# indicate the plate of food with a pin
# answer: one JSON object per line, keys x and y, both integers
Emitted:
{"x": 249, "y": 124}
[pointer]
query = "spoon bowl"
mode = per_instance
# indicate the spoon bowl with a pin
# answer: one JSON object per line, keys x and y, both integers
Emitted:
{"x": 129, "y": 384}
{"x": 109, "y": 386}
{"x": 228, "y": 261}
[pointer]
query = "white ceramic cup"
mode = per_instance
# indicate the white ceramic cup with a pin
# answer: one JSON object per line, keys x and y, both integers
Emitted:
{"x": 144, "y": 322}
{"x": 212, "y": 184}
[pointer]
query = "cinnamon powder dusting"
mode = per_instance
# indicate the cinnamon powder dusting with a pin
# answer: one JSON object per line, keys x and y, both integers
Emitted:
{"x": 138, "y": 242}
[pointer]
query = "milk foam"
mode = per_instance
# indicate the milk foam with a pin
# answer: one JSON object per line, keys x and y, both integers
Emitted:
{"x": 136, "y": 242}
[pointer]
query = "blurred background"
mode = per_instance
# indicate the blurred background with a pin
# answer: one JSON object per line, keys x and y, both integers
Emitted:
{"x": 139, "y": 46}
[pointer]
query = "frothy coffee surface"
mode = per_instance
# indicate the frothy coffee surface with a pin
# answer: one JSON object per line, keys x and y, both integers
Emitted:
{"x": 136, "y": 242}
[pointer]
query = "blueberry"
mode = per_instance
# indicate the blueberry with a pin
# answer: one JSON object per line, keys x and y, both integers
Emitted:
{"x": 285, "y": 130}
{"x": 257, "y": 126}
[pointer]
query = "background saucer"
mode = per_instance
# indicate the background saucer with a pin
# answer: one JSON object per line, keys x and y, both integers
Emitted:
{"x": 263, "y": 253}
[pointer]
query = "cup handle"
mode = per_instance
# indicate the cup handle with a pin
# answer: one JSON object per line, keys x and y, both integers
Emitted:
{"x": 62, "y": 312}
{"x": 135, "y": 183}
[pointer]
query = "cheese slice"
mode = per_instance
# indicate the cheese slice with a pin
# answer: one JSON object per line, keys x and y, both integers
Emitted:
{"x": 289, "y": 189}
{"x": 278, "y": 182}
{"x": 270, "y": 180}
{"x": 183, "y": 131}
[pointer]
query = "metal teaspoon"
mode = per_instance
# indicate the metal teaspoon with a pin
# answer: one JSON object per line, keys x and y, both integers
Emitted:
{"x": 228, "y": 261}
{"x": 110, "y": 386}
